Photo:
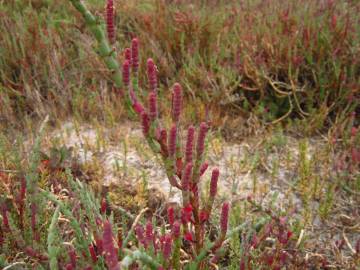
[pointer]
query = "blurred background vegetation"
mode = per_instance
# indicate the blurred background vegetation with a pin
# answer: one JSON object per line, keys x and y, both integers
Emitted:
{"x": 264, "y": 60}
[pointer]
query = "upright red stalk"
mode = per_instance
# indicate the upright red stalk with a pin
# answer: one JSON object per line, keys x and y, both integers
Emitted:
{"x": 172, "y": 141}
{"x": 203, "y": 168}
{"x": 176, "y": 230}
{"x": 213, "y": 182}
{"x": 171, "y": 216}
{"x": 126, "y": 73}
{"x": 200, "y": 146}
{"x": 185, "y": 180}
{"x": 92, "y": 253}
{"x": 163, "y": 142}
{"x": 153, "y": 106}
{"x": 145, "y": 123}
{"x": 135, "y": 55}
{"x": 189, "y": 144}
{"x": 72, "y": 256}
{"x": 151, "y": 73}
{"x": 127, "y": 54}
{"x": 224, "y": 218}
{"x": 103, "y": 206}
{"x": 110, "y": 24}
{"x": 33, "y": 221}
{"x": 167, "y": 247}
{"x": 176, "y": 102}
{"x": 111, "y": 257}
{"x": 21, "y": 201}
{"x": 149, "y": 232}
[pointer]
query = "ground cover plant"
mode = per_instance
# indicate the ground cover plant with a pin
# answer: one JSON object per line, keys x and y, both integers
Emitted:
{"x": 294, "y": 65}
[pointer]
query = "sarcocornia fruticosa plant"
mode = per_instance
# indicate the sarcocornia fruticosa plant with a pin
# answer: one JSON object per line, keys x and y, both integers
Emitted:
{"x": 183, "y": 162}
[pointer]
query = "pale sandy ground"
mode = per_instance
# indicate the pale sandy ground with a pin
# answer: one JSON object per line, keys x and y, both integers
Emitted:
{"x": 124, "y": 147}
{"x": 265, "y": 167}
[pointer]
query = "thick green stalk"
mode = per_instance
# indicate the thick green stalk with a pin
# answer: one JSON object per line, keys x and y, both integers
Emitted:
{"x": 53, "y": 249}
{"x": 138, "y": 255}
{"x": 176, "y": 254}
{"x": 81, "y": 241}
{"x": 105, "y": 50}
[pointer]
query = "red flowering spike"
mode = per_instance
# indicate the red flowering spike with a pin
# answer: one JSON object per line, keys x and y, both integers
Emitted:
{"x": 135, "y": 55}
{"x": 176, "y": 230}
{"x": 204, "y": 216}
{"x": 189, "y": 144}
{"x": 163, "y": 142}
{"x": 214, "y": 182}
{"x": 110, "y": 24}
{"x": 201, "y": 140}
{"x": 145, "y": 123}
{"x": 163, "y": 136}
{"x": 224, "y": 218}
{"x": 73, "y": 258}
{"x": 171, "y": 216}
{"x": 92, "y": 253}
{"x": 153, "y": 106}
{"x": 139, "y": 232}
{"x": 176, "y": 102}
{"x": 185, "y": 179}
{"x": 149, "y": 232}
{"x": 138, "y": 108}
{"x": 186, "y": 213}
{"x": 151, "y": 73}
{"x": 103, "y": 206}
{"x": 126, "y": 73}
{"x": 127, "y": 55}
{"x": 111, "y": 254}
{"x": 203, "y": 168}
{"x": 167, "y": 246}
{"x": 172, "y": 141}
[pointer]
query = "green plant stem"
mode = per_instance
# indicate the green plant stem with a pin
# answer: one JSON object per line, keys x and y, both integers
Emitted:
{"x": 51, "y": 240}
{"x": 105, "y": 50}
{"x": 138, "y": 255}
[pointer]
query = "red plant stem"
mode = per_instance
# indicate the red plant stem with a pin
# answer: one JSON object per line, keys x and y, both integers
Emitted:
{"x": 145, "y": 123}
{"x": 135, "y": 55}
{"x": 92, "y": 253}
{"x": 151, "y": 73}
{"x": 127, "y": 54}
{"x": 189, "y": 145}
{"x": 171, "y": 216}
{"x": 33, "y": 222}
{"x": 176, "y": 102}
{"x": 200, "y": 146}
{"x": 167, "y": 247}
{"x": 153, "y": 106}
{"x": 111, "y": 254}
{"x": 110, "y": 24}
{"x": 21, "y": 201}
{"x": 72, "y": 256}
{"x": 126, "y": 73}
{"x": 149, "y": 234}
{"x": 163, "y": 143}
{"x": 172, "y": 141}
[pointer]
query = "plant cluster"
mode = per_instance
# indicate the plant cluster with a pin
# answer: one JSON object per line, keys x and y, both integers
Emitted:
{"x": 93, "y": 245}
